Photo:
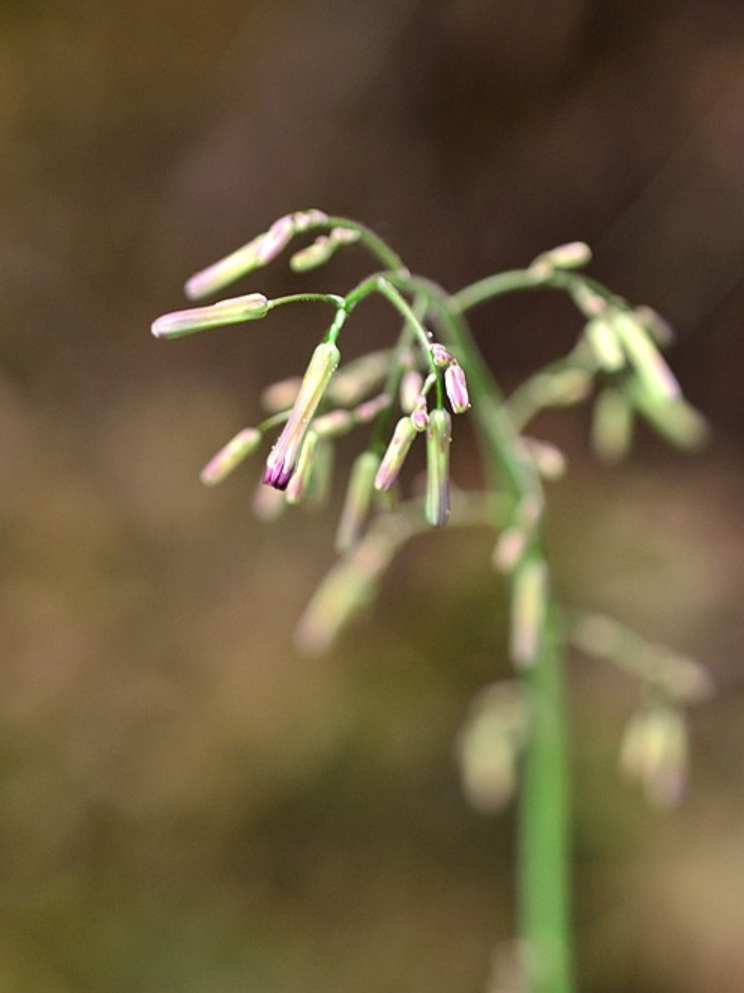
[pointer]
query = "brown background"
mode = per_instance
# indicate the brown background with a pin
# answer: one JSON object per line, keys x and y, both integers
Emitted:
{"x": 186, "y": 804}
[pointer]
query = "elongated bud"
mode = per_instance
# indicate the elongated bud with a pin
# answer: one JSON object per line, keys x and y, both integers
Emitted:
{"x": 258, "y": 252}
{"x": 438, "y": 439}
{"x": 395, "y": 455}
{"x": 232, "y": 311}
{"x": 675, "y": 420}
{"x": 230, "y": 456}
{"x": 548, "y": 458}
{"x": 650, "y": 367}
{"x": 280, "y": 395}
{"x": 529, "y": 603}
{"x": 301, "y": 481}
{"x": 359, "y": 377}
{"x": 612, "y": 425}
{"x": 358, "y": 503}
{"x": 457, "y": 388}
{"x": 605, "y": 345}
{"x": 313, "y": 256}
{"x": 283, "y": 456}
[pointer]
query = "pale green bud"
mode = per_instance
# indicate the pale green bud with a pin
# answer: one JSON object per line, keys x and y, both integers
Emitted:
{"x": 604, "y": 343}
{"x": 232, "y": 311}
{"x": 612, "y": 425}
{"x": 395, "y": 455}
{"x": 438, "y": 440}
{"x": 528, "y": 607}
{"x": 651, "y": 369}
{"x": 230, "y": 456}
{"x": 358, "y": 502}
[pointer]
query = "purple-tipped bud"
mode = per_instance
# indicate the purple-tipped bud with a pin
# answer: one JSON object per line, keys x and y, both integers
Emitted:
{"x": 231, "y": 311}
{"x": 420, "y": 415}
{"x": 283, "y": 456}
{"x": 438, "y": 438}
{"x": 395, "y": 455}
{"x": 274, "y": 241}
{"x": 301, "y": 480}
{"x": 457, "y": 388}
{"x": 225, "y": 271}
{"x": 441, "y": 356}
{"x": 358, "y": 502}
{"x": 230, "y": 456}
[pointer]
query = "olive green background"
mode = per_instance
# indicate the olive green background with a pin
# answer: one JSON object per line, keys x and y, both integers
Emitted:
{"x": 186, "y": 803}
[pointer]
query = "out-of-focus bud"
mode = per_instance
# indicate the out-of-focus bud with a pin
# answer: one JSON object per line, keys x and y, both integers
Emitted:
{"x": 528, "y": 605}
{"x": 456, "y": 387}
{"x": 676, "y": 420}
{"x": 359, "y": 377}
{"x": 232, "y": 311}
{"x": 438, "y": 440}
{"x": 313, "y": 256}
{"x": 604, "y": 343}
{"x": 395, "y": 455}
{"x": 612, "y": 425}
{"x": 510, "y": 547}
{"x": 548, "y": 458}
{"x": 572, "y": 255}
{"x": 283, "y": 456}
{"x": 653, "y": 753}
{"x": 230, "y": 456}
{"x": 334, "y": 424}
{"x": 280, "y": 395}
{"x": 301, "y": 481}
{"x": 489, "y": 745}
{"x": 651, "y": 369}
{"x": 411, "y": 385}
{"x": 358, "y": 502}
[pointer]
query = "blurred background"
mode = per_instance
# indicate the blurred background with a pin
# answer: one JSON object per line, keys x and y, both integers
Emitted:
{"x": 186, "y": 803}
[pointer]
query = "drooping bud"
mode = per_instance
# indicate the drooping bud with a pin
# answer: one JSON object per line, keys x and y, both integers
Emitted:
{"x": 612, "y": 425}
{"x": 654, "y": 753}
{"x": 604, "y": 343}
{"x": 438, "y": 439}
{"x": 441, "y": 356}
{"x": 301, "y": 481}
{"x": 420, "y": 415}
{"x": 652, "y": 370}
{"x": 456, "y": 387}
{"x": 573, "y": 255}
{"x": 358, "y": 502}
{"x": 231, "y": 311}
{"x": 395, "y": 455}
{"x": 230, "y": 456}
{"x": 283, "y": 456}
{"x": 528, "y": 606}
{"x": 489, "y": 745}
{"x": 411, "y": 385}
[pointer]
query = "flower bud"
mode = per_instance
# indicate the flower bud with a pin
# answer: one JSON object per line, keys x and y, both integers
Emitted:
{"x": 612, "y": 425}
{"x": 528, "y": 606}
{"x": 231, "y": 311}
{"x": 283, "y": 456}
{"x": 358, "y": 503}
{"x": 651, "y": 369}
{"x": 606, "y": 347}
{"x": 438, "y": 439}
{"x": 411, "y": 385}
{"x": 394, "y": 457}
{"x": 457, "y": 388}
{"x": 299, "y": 484}
{"x": 230, "y": 456}
{"x": 441, "y": 356}
{"x": 573, "y": 255}
{"x": 654, "y": 753}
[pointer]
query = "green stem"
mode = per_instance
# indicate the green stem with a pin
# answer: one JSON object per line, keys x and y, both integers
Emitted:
{"x": 544, "y": 851}
{"x": 543, "y": 858}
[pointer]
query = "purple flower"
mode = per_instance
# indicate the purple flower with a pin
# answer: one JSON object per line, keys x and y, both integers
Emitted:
{"x": 457, "y": 388}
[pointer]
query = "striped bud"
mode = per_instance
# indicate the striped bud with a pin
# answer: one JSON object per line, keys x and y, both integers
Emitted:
{"x": 231, "y": 311}
{"x": 395, "y": 455}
